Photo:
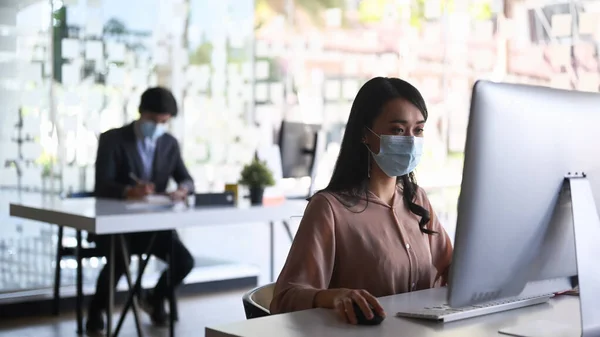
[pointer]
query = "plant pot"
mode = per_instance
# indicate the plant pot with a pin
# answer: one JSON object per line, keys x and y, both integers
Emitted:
{"x": 256, "y": 195}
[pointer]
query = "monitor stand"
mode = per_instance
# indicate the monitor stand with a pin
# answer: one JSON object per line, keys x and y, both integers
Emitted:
{"x": 586, "y": 227}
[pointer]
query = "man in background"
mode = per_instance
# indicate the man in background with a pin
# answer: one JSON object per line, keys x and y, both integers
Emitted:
{"x": 133, "y": 162}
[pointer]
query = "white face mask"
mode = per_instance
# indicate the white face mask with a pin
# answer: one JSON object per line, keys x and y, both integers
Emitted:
{"x": 398, "y": 155}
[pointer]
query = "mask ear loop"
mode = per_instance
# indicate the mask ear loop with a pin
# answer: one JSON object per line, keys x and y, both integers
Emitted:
{"x": 369, "y": 153}
{"x": 368, "y": 160}
{"x": 368, "y": 165}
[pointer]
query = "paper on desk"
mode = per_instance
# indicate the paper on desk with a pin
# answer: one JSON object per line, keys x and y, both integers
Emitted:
{"x": 151, "y": 202}
{"x": 540, "y": 329}
{"x": 159, "y": 200}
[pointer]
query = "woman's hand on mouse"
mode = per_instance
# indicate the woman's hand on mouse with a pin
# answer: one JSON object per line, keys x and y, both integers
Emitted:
{"x": 342, "y": 299}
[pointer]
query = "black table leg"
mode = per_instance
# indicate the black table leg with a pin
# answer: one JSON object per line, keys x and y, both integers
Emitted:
{"x": 286, "y": 225}
{"x": 140, "y": 271}
{"x": 57, "y": 272}
{"x": 135, "y": 306}
{"x": 138, "y": 284}
{"x": 79, "y": 298}
{"x": 272, "y": 248}
{"x": 111, "y": 288}
{"x": 171, "y": 272}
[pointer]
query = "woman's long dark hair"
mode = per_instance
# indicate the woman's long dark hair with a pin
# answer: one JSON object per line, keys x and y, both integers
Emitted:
{"x": 349, "y": 181}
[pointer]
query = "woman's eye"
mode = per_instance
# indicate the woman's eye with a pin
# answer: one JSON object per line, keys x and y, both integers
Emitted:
{"x": 398, "y": 130}
{"x": 419, "y": 131}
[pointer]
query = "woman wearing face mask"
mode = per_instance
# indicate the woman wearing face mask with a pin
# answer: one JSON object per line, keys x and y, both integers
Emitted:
{"x": 371, "y": 232}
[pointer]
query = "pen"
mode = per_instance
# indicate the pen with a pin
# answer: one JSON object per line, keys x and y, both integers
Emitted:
{"x": 135, "y": 178}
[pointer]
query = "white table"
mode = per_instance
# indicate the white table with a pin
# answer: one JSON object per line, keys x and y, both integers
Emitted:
{"x": 115, "y": 217}
{"x": 320, "y": 322}
{"x": 103, "y": 216}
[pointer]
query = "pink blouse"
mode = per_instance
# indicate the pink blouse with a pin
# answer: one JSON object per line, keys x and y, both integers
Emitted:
{"x": 380, "y": 249}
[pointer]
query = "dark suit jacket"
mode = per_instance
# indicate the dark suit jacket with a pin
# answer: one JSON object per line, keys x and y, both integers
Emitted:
{"x": 118, "y": 157}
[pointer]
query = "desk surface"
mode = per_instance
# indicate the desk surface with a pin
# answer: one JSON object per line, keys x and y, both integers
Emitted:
{"x": 319, "y": 322}
{"x": 102, "y": 216}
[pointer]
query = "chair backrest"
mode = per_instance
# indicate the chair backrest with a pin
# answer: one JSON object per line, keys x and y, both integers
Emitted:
{"x": 258, "y": 300}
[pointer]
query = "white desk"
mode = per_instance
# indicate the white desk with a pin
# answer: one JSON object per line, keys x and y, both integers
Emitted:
{"x": 320, "y": 322}
{"x": 106, "y": 216}
{"x": 103, "y": 216}
{"x": 116, "y": 217}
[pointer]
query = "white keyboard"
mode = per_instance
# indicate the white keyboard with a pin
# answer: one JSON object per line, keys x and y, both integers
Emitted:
{"x": 445, "y": 313}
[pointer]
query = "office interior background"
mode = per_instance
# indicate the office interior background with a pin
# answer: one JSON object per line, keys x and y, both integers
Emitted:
{"x": 72, "y": 69}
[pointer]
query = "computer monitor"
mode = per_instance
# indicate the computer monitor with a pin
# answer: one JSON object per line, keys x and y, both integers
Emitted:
{"x": 301, "y": 146}
{"x": 297, "y": 142}
{"x": 522, "y": 187}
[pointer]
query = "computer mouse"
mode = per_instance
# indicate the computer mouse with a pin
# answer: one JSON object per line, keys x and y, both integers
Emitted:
{"x": 362, "y": 320}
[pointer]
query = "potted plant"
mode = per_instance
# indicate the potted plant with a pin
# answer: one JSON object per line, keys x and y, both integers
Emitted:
{"x": 256, "y": 176}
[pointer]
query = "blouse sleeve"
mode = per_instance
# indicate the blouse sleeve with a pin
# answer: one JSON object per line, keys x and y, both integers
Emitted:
{"x": 309, "y": 264}
{"x": 441, "y": 247}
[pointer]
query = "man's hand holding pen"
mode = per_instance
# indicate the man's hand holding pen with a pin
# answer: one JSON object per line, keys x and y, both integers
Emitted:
{"x": 140, "y": 190}
{"x": 143, "y": 189}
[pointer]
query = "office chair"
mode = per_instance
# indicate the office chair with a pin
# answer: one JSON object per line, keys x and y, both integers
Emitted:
{"x": 258, "y": 300}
